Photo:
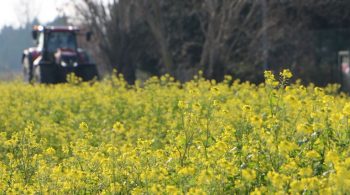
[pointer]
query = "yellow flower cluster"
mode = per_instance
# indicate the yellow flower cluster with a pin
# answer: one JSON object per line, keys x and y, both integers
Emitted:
{"x": 163, "y": 137}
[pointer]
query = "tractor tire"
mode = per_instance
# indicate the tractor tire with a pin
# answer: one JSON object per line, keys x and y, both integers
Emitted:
{"x": 45, "y": 74}
{"x": 87, "y": 72}
{"x": 61, "y": 74}
{"x": 27, "y": 69}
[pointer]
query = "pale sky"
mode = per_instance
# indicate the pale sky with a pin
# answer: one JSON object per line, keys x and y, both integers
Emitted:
{"x": 11, "y": 11}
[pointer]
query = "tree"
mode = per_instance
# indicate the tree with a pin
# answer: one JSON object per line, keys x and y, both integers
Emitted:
{"x": 27, "y": 11}
{"x": 240, "y": 37}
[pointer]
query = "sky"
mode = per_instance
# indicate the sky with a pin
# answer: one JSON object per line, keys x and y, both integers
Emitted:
{"x": 12, "y": 11}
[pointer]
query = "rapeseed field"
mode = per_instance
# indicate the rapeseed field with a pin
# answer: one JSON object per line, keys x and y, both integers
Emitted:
{"x": 163, "y": 137}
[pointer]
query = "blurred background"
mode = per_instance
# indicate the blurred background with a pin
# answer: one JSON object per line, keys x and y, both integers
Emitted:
{"x": 241, "y": 38}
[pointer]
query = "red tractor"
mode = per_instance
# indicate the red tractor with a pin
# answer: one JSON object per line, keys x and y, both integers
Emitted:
{"x": 55, "y": 55}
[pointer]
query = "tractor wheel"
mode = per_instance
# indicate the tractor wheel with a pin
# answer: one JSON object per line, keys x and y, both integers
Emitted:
{"x": 27, "y": 69}
{"x": 87, "y": 72}
{"x": 44, "y": 74}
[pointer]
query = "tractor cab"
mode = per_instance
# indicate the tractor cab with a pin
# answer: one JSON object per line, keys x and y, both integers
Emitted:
{"x": 53, "y": 38}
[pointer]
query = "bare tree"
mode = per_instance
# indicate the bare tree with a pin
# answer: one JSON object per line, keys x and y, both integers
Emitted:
{"x": 27, "y": 11}
{"x": 152, "y": 11}
{"x": 228, "y": 27}
{"x": 240, "y": 37}
{"x": 111, "y": 24}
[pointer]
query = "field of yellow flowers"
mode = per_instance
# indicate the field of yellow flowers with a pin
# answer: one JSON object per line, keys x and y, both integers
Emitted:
{"x": 163, "y": 137}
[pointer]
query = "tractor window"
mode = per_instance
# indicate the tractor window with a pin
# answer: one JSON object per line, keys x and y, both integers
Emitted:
{"x": 64, "y": 40}
{"x": 40, "y": 40}
{"x": 345, "y": 59}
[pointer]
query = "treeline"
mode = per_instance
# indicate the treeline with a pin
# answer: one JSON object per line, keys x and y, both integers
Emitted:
{"x": 14, "y": 40}
{"x": 12, "y": 43}
{"x": 237, "y": 37}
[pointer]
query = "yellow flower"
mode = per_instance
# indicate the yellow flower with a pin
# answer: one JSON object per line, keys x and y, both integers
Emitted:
{"x": 83, "y": 126}
{"x": 346, "y": 109}
{"x": 170, "y": 189}
{"x": 259, "y": 191}
{"x": 50, "y": 151}
{"x": 296, "y": 187}
{"x": 181, "y": 104}
{"x": 305, "y": 172}
{"x": 246, "y": 108}
{"x": 197, "y": 106}
{"x": 205, "y": 177}
{"x": 249, "y": 174}
{"x": 286, "y": 146}
{"x": 156, "y": 189}
{"x": 196, "y": 191}
{"x": 319, "y": 91}
{"x": 137, "y": 190}
{"x": 65, "y": 149}
{"x": 312, "y": 154}
{"x": 118, "y": 127}
{"x": 304, "y": 129}
{"x": 278, "y": 180}
{"x": 290, "y": 167}
{"x": 187, "y": 171}
{"x": 270, "y": 79}
{"x": 286, "y": 74}
{"x": 115, "y": 187}
{"x": 332, "y": 157}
